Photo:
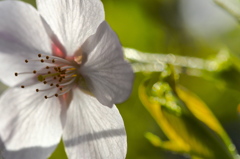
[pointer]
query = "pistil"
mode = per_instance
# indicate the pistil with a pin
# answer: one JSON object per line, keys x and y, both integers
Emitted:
{"x": 42, "y": 78}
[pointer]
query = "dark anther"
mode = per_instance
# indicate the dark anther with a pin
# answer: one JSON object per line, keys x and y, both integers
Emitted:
{"x": 60, "y": 89}
{"x": 34, "y": 72}
{"x": 26, "y": 61}
{"x": 47, "y": 67}
{"x": 49, "y": 72}
{"x": 42, "y": 60}
{"x": 37, "y": 90}
{"x": 53, "y": 61}
{"x": 45, "y": 82}
{"x": 45, "y": 97}
{"x": 47, "y": 57}
{"x": 51, "y": 84}
{"x": 16, "y": 74}
{"x": 22, "y": 86}
{"x": 39, "y": 55}
{"x": 56, "y": 95}
{"x": 57, "y": 85}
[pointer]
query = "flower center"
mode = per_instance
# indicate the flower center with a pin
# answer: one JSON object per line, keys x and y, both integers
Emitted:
{"x": 58, "y": 73}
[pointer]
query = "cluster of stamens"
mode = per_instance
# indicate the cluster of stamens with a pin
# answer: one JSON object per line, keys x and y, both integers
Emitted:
{"x": 58, "y": 73}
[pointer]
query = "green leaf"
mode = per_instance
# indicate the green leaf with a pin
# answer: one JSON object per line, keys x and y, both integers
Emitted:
{"x": 155, "y": 110}
{"x": 193, "y": 129}
{"x": 200, "y": 110}
{"x": 167, "y": 145}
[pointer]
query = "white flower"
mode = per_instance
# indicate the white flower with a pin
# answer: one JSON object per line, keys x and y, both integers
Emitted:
{"x": 69, "y": 71}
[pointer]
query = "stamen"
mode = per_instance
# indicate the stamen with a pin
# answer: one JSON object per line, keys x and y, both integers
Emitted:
{"x": 74, "y": 75}
{"x": 60, "y": 59}
{"x": 49, "y": 59}
{"x": 60, "y": 74}
{"x": 54, "y": 68}
{"x": 51, "y": 96}
{"x": 68, "y": 88}
{"x": 69, "y": 82}
{"x": 70, "y": 75}
{"x": 33, "y": 60}
{"x": 16, "y": 74}
{"x": 69, "y": 72}
{"x": 68, "y": 67}
{"x": 38, "y": 90}
{"x": 54, "y": 59}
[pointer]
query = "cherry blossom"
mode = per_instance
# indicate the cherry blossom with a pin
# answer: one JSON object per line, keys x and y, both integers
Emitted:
{"x": 65, "y": 69}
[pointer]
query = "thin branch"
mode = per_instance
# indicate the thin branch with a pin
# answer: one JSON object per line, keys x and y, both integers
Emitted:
{"x": 152, "y": 62}
{"x": 231, "y": 6}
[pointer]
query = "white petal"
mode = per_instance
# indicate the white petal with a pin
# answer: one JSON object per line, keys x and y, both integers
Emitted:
{"x": 108, "y": 76}
{"x": 92, "y": 130}
{"x": 31, "y": 126}
{"x": 22, "y": 36}
{"x": 73, "y": 21}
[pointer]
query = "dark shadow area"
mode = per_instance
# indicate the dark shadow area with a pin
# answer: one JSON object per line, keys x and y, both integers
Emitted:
{"x": 45, "y": 152}
{"x": 26, "y": 153}
{"x": 233, "y": 130}
{"x": 96, "y": 136}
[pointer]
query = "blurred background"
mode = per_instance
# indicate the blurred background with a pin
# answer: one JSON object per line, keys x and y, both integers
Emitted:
{"x": 187, "y": 28}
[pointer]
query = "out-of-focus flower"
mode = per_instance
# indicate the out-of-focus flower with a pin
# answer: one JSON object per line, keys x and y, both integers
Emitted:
{"x": 70, "y": 71}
